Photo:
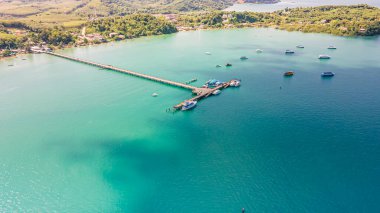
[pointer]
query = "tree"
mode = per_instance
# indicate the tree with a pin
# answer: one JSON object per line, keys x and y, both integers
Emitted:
{"x": 7, "y": 53}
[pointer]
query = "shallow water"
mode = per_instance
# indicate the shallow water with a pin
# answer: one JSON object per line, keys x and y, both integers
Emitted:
{"x": 298, "y": 3}
{"x": 78, "y": 139}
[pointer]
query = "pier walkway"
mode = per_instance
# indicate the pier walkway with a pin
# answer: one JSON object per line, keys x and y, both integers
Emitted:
{"x": 200, "y": 92}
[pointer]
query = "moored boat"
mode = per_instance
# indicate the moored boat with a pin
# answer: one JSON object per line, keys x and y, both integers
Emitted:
{"x": 228, "y": 65}
{"x": 191, "y": 81}
{"x": 327, "y": 74}
{"x": 259, "y": 50}
{"x": 324, "y": 57}
{"x": 154, "y": 94}
{"x": 218, "y": 66}
{"x": 243, "y": 58}
{"x": 300, "y": 46}
{"x": 188, "y": 105}
{"x": 235, "y": 83}
{"x": 213, "y": 83}
{"x": 207, "y": 53}
{"x": 216, "y": 92}
{"x": 331, "y": 47}
{"x": 289, "y": 73}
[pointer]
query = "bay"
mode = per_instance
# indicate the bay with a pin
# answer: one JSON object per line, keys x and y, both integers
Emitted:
{"x": 78, "y": 139}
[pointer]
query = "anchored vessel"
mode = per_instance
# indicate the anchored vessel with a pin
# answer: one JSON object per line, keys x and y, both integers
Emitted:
{"x": 289, "y": 52}
{"x": 324, "y": 57}
{"x": 327, "y": 74}
{"x": 288, "y": 74}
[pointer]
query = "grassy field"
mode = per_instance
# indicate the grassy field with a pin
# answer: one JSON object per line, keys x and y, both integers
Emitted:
{"x": 48, "y": 19}
{"x": 7, "y": 36}
{"x": 44, "y": 13}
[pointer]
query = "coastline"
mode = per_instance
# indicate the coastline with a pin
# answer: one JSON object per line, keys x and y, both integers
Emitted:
{"x": 245, "y": 25}
{"x": 217, "y": 20}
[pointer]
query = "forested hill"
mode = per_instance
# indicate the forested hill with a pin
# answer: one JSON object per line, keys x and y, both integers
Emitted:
{"x": 173, "y": 6}
{"x": 260, "y": 1}
{"x": 164, "y": 6}
{"x": 99, "y": 8}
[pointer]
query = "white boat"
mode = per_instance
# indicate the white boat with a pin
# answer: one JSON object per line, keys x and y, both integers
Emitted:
{"x": 324, "y": 57}
{"x": 235, "y": 83}
{"x": 289, "y": 52}
{"x": 154, "y": 94}
{"x": 207, "y": 53}
{"x": 259, "y": 50}
{"x": 216, "y": 92}
{"x": 300, "y": 46}
{"x": 331, "y": 47}
{"x": 188, "y": 105}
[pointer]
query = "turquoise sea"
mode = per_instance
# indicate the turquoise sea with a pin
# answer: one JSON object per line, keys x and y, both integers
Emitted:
{"x": 74, "y": 138}
{"x": 298, "y": 3}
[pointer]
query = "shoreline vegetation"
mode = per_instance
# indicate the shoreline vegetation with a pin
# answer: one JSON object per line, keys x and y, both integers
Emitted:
{"x": 18, "y": 37}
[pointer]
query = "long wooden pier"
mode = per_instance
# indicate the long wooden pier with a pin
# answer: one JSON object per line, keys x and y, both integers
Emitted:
{"x": 200, "y": 92}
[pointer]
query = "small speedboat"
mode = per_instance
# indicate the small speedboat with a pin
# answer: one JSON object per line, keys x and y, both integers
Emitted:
{"x": 154, "y": 94}
{"x": 289, "y": 52}
{"x": 324, "y": 57}
{"x": 235, "y": 83}
{"x": 191, "y": 81}
{"x": 243, "y": 58}
{"x": 259, "y": 51}
{"x": 188, "y": 105}
{"x": 331, "y": 47}
{"x": 207, "y": 53}
{"x": 228, "y": 65}
{"x": 327, "y": 74}
{"x": 216, "y": 92}
{"x": 289, "y": 74}
{"x": 300, "y": 46}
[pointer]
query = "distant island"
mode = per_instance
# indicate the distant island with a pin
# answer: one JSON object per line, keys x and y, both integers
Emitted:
{"x": 259, "y": 1}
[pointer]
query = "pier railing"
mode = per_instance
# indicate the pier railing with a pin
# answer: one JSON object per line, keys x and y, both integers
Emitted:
{"x": 129, "y": 72}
